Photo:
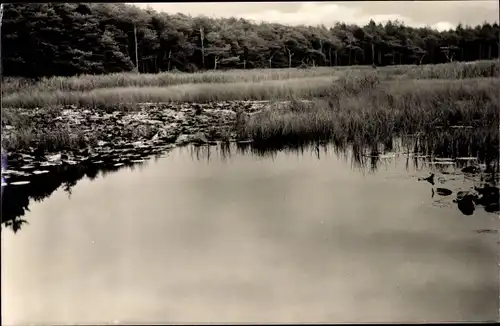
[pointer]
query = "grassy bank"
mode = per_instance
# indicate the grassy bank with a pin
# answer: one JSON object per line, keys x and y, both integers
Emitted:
{"x": 356, "y": 104}
{"x": 200, "y": 93}
{"x": 265, "y": 84}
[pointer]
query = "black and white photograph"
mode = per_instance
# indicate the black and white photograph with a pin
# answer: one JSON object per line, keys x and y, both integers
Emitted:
{"x": 251, "y": 162}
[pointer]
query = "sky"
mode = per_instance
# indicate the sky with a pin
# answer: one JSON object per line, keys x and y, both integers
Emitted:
{"x": 441, "y": 15}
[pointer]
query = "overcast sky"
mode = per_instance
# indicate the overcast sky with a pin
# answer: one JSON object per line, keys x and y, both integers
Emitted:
{"x": 437, "y": 14}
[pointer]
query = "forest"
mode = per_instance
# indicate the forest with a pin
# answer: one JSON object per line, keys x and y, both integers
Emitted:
{"x": 67, "y": 39}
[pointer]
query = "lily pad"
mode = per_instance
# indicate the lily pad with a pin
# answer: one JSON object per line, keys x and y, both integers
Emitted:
{"x": 52, "y": 158}
{"x": 19, "y": 183}
{"x": 70, "y": 162}
{"x": 443, "y": 191}
{"x": 27, "y": 167}
{"x": 49, "y": 164}
{"x": 38, "y": 172}
{"x": 470, "y": 169}
{"x": 442, "y": 163}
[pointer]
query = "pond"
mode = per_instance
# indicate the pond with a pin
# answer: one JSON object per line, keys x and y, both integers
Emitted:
{"x": 217, "y": 234}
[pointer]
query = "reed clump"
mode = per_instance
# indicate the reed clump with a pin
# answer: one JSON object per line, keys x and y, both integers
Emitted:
{"x": 371, "y": 112}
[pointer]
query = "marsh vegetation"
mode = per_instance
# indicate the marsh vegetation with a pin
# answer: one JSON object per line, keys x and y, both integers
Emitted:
{"x": 148, "y": 142}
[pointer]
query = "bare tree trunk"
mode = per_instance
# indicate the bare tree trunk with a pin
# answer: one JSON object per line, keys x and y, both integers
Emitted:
{"x": 169, "y": 57}
{"x": 271, "y": 59}
{"x": 330, "y": 56}
{"x": 202, "y": 38}
{"x": 216, "y": 61}
{"x": 321, "y": 50}
{"x": 244, "y": 64}
{"x": 373, "y": 53}
{"x": 379, "y": 57}
{"x": 1, "y": 18}
{"x": 136, "y": 51}
{"x": 421, "y": 59}
{"x": 349, "y": 57}
{"x": 290, "y": 55}
{"x": 336, "y": 58}
{"x": 489, "y": 51}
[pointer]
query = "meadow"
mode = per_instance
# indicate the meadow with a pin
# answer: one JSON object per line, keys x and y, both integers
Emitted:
{"x": 355, "y": 103}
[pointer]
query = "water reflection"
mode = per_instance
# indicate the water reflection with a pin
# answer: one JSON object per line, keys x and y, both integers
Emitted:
{"x": 447, "y": 157}
{"x": 186, "y": 238}
{"x": 16, "y": 198}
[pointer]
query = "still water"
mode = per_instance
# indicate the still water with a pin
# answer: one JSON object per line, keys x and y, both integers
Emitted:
{"x": 287, "y": 238}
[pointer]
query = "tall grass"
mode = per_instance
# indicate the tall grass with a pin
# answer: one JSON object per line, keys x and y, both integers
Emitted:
{"x": 368, "y": 113}
{"x": 202, "y": 93}
{"x": 91, "y": 82}
{"x": 122, "y": 80}
{"x": 357, "y": 105}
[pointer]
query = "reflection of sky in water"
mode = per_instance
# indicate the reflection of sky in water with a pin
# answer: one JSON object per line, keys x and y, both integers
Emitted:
{"x": 357, "y": 247}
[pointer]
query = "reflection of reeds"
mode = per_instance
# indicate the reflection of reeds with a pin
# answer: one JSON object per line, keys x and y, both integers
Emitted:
{"x": 368, "y": 113}
{"x": 463, "y": 146}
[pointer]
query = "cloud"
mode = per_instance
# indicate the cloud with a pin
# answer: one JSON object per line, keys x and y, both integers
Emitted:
{"x": 417, "y": 14}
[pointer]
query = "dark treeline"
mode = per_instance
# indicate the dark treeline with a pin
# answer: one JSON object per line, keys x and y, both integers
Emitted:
{"x": 45, "y": 39}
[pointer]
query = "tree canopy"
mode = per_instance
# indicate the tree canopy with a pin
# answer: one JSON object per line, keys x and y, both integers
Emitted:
{"x": 45, "y": 39}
